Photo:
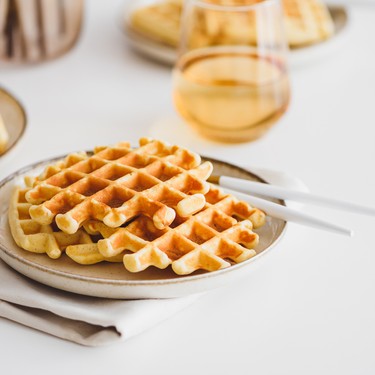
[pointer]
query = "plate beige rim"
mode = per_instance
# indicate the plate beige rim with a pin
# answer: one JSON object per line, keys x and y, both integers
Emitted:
{"x": 132, "y": 283}
{"x": 20, "y": 134}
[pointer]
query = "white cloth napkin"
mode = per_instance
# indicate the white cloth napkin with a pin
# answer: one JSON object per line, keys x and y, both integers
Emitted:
{"x": 88, "y": 320}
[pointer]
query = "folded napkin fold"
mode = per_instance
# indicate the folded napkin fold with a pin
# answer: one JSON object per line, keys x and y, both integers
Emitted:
{"x": 88, "y": 320}
{"x": 82, "y": 319}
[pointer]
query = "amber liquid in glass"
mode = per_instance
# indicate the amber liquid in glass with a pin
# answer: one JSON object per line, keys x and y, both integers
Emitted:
{"x": 231, "y": 95}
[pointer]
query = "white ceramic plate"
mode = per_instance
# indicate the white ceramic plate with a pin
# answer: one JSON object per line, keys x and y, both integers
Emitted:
{"x": 112, "y": 280}
{"x": 14, "y": 117}
{"x": 297, "y": 56}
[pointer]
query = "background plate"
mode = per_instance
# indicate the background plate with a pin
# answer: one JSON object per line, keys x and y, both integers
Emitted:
{"x": 14, "y": 117}
{"x": 297, "y": 56}
{"x": 112, "y": 280}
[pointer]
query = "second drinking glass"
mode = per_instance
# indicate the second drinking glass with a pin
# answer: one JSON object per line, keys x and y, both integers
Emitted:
{"x": 230, "y": 80}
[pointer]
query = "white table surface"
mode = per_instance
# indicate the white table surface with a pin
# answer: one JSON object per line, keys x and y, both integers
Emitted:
{"x": 310, "y": 308}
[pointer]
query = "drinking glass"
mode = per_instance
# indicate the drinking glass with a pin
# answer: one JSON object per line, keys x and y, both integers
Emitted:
{"x": 230, "y": 81}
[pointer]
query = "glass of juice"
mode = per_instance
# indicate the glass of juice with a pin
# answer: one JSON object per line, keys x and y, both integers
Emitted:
{"x": 230, "y": 81}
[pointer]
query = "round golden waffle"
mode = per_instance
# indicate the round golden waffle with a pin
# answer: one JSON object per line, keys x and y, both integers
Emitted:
{"x": 118, "y": 183}
{"x": 211, "y": 239}
{"x": 306, "y": 22}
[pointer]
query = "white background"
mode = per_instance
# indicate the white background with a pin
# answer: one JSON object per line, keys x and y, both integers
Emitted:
{"x": 310, "y": 308}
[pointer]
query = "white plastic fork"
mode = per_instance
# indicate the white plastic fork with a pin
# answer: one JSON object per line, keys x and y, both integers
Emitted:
{"x": 236, "y": 187}
{"x": 273, "y": 191}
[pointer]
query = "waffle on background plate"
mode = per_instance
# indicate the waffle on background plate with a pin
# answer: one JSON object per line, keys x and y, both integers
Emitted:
{"x": 145, "y": 206}
{"x": 306, "y": 21}
{"x": 4, "y": 136}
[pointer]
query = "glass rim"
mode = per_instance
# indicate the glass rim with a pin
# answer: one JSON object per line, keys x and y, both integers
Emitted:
{"x": 232, "y": 8}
